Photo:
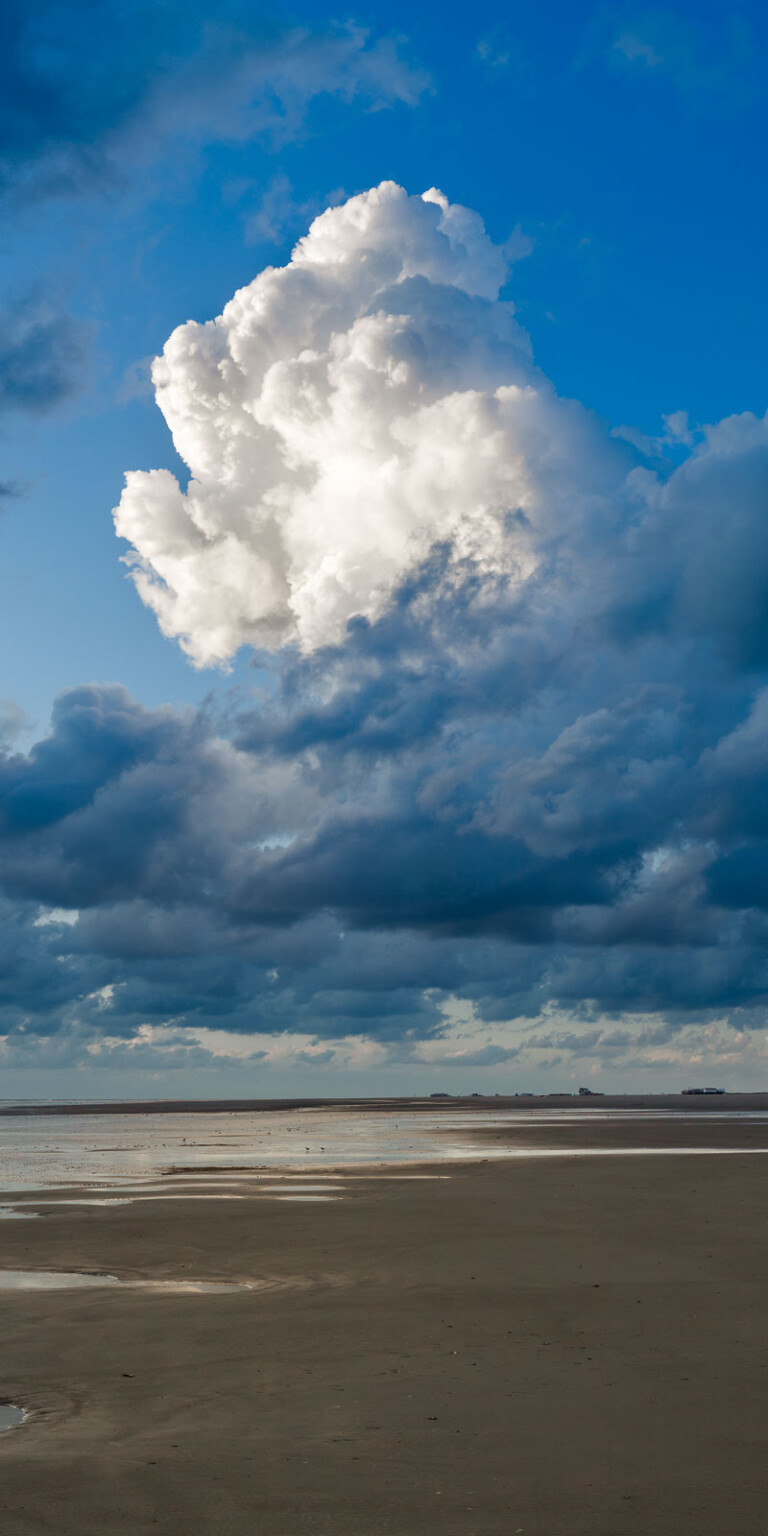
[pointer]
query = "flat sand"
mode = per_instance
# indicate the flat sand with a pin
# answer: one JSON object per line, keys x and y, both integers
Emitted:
{"x": 565, "y": 1347}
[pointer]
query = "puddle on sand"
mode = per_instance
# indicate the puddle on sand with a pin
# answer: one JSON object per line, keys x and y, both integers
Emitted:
{"x": 68, "y": 1280}
{"x": 10, "y": 1213}
{"x": 50, "y": 1280}
{"x": 304, "y": 1199}
{"x": 10, "y": 1210}
{"x": 10, "y": 1416}
{"x": 171, "y": 1194}
{"x": 16, "y": 1210}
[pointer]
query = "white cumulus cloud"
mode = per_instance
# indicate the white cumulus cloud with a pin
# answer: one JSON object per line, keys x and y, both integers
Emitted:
{"x": 343, "y": 415}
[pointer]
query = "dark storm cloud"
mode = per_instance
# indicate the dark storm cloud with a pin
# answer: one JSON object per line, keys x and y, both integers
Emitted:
{"x": 33, "y": 979}
{"x": 117, "y": 801}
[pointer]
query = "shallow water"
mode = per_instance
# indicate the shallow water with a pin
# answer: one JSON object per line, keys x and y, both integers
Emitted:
{"x": 70, "y": 1280}
{"x": 51, "y": 1280}
{"x": 10, "y": 1416}
{"x": 122, "y": 1154}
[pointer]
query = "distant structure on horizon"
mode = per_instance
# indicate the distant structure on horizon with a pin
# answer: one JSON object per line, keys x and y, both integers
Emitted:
{"x": 703, "y": 1090}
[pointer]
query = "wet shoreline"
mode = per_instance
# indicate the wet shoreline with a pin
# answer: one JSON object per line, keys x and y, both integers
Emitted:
{"x": 111, "y": 1156}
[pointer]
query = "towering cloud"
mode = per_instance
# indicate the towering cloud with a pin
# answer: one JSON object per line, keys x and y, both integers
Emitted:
{"x": 342, "y": 416}
{"x": 514, "y": 757}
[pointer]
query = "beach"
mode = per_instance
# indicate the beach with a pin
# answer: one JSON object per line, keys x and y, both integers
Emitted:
{"x": 552, "y": 1345}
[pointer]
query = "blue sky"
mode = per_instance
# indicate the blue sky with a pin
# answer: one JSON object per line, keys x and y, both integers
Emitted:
{"x": 155, "y": 159}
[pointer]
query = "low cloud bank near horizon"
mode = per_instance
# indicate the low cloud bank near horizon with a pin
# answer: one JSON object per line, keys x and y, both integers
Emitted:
{"x": 511, "y": 763}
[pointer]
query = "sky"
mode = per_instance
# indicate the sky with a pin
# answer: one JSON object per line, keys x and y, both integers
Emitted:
{"x": 383, "y": 512}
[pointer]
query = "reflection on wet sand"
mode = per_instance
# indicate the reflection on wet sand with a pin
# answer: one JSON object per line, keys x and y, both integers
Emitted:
{"x": 305, "y": 1199}
{"x": 290, "y": 1188}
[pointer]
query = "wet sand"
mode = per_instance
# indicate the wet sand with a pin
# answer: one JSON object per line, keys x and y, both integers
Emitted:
{"x": 569, "y": 1347}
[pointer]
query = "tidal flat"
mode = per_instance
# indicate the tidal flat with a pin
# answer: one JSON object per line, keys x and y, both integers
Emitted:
{"x": 571, "y": 1340}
